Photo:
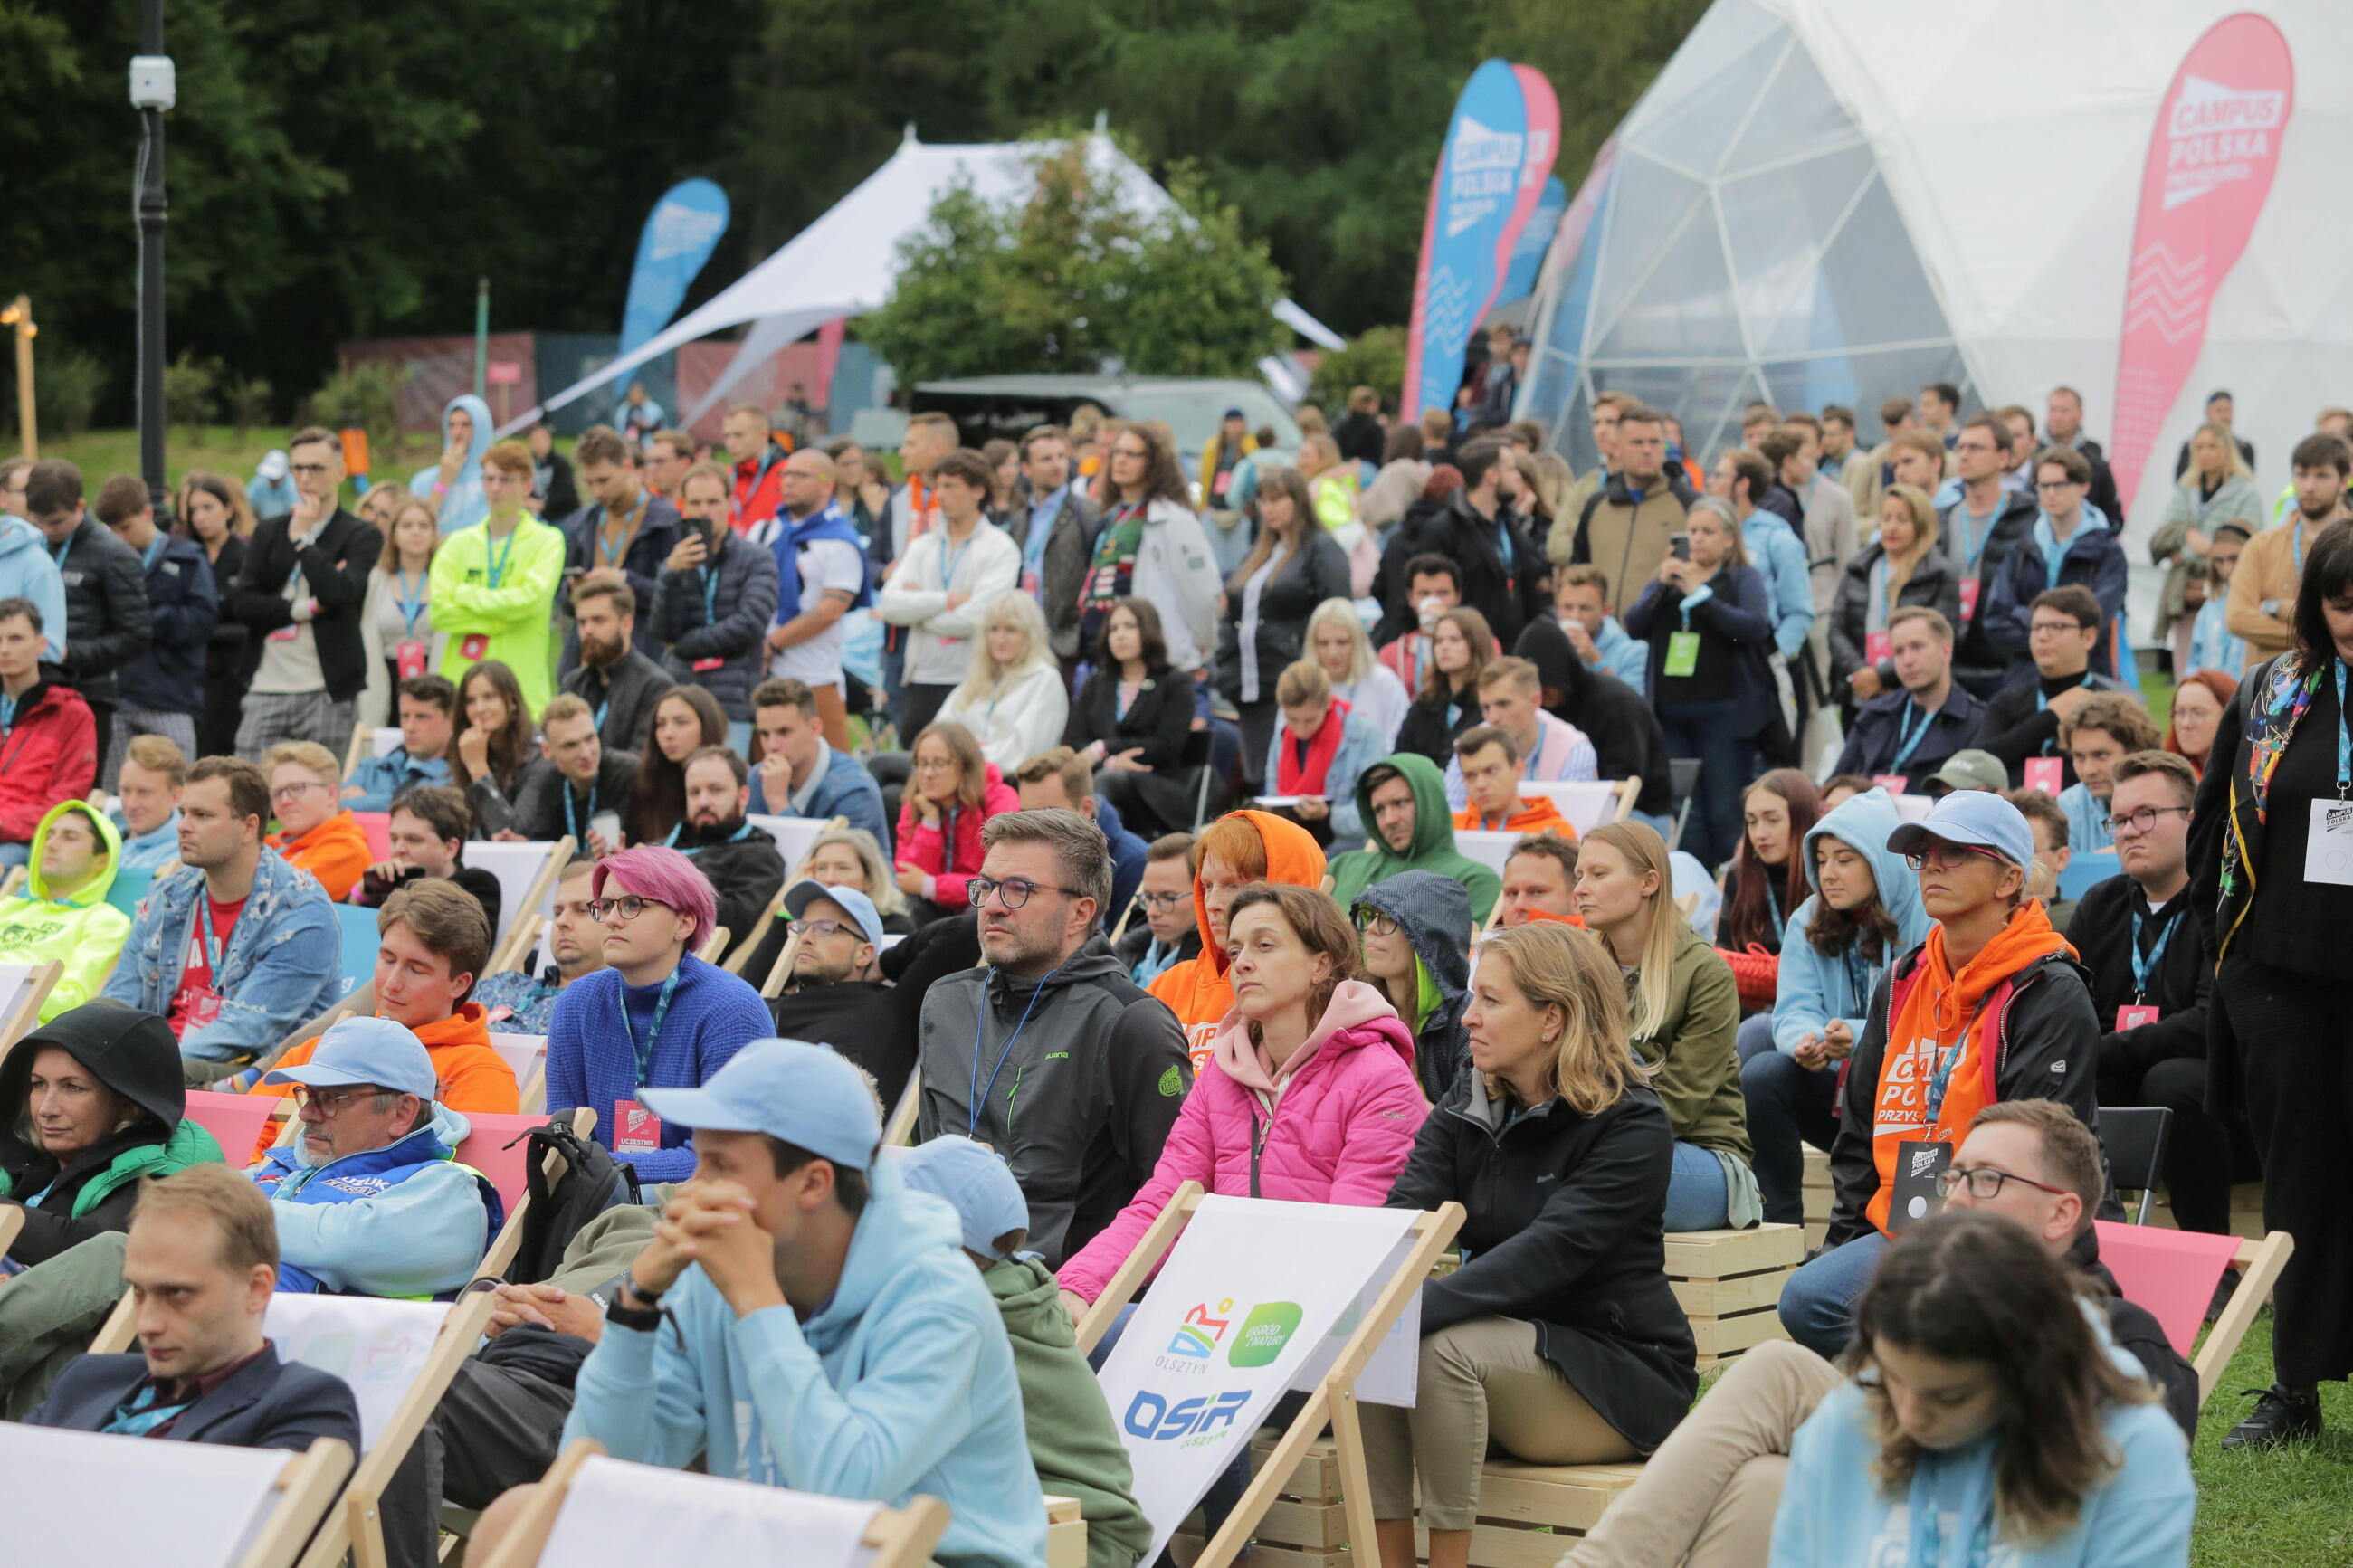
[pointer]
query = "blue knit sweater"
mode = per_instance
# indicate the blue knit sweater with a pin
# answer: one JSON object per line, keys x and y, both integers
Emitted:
{"x": 590, "y": 1062}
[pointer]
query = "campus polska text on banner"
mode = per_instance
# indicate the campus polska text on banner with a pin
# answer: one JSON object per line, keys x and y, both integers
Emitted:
{"x": 1249, "y": 1296}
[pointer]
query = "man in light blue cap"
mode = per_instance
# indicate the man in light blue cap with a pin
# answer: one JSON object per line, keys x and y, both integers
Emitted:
{"x": 369, "y": 1197}
{"x": 835, "y": 995}
{"x": 829, "y": 1335}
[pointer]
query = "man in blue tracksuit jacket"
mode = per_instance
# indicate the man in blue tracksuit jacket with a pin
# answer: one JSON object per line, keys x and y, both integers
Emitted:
{"x": 830, "y": 1335}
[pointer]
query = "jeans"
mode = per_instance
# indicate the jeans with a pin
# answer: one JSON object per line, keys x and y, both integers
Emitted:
{"x": 1817, "y": 1302}
{"x": 1790, "y": 1107}
{"x": 1726, "y": 762}
{"x": 1696, "y": 1193}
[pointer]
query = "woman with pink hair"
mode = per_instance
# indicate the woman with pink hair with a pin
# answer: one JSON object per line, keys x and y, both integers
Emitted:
{"x": 655, "y": 1015}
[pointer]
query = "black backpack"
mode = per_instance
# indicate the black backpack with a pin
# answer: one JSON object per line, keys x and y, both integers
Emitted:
{"x": 589, "y": 1182}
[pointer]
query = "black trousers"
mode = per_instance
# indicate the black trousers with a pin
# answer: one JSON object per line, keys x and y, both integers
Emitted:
{"x": 922, "y": 705}
{"x": 495, "y": 1427}
{"x": 2296, "y": 1046}
{"x": 2203, "y": 1154}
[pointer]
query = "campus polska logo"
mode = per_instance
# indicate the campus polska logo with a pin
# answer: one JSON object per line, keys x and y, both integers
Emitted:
{"x": 1192, "y": 1351}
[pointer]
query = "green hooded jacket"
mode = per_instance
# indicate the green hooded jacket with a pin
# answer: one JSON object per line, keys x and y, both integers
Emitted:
{"x": 81, "y": 931}
{"x": 1071, "y": 1439}
{"x": 1432, "y": 848}
{"x": 189, "y": 1145}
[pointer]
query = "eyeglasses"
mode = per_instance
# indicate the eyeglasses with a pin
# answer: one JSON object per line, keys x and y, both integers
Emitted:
{"x": 1950, "y": 856}
{"x": 1163, "y": 903}
{"x": 821, "y": 928}
{"x": 329, "y": 1103}
{"x": 1985, "y": 1182}
{"x": 2141, "y": 821}
{"x": 1375, "y": 923}
{"x": 629, "y": 907}
{"x": 1014, "y": 891}
{"x": 934, "y": 764}
{"x": 287, "y": 791}
{"x": 2053, "y": 628}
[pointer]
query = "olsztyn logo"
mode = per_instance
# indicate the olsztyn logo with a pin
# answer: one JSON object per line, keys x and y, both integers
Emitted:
{"x": 1196, "y": 1337}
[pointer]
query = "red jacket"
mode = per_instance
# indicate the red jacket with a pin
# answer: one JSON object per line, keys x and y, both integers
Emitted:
{"x": 760, "y": 488}
{"x": 49, "y": 754}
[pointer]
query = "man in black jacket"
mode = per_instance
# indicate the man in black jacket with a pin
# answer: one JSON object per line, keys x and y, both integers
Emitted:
{"x": 163, "y": 690}
{"x": 576, "y": 780}
{"x": 2021, "y": 722}
{"x": 202, "y": 1258}
{"x": 619, "y": 683}
{"x": 1979, "y": 531}
{"x": 834, "y": 995}
{"x": 1627, "y": 740}
{"x": 626, "y": 528}
{"x": 718, "y": 597}
{"x": 1914, "y": 730}
{"x": 742, "y": 862}
{"x": 301, "y": 597}
{"x": 108, "y": 624}
{"x": 1503, "y": 574}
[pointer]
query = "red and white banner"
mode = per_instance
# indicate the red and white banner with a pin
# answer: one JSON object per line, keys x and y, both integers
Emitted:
{"x": 2211, "y": 161}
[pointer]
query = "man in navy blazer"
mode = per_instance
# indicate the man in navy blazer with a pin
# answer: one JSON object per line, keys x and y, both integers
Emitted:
{"x": 201, "y": 1262}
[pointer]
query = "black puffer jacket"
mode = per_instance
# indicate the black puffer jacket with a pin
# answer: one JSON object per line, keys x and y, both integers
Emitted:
{"x": 1434, "y": 912}
{"x": 743, "y": 867}
{"x": 1934, "y": 585}
{"x": 1628, "y": 742}
{"x": 724, "y": 616}
{"x": 108, "y": 624}
{"x": 1289, "y": 598}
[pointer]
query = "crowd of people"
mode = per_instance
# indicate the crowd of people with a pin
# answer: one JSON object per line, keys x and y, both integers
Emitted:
{"x": 1142, "y": 797}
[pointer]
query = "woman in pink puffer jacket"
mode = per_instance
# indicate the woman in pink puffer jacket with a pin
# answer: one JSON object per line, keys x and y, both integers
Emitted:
{"x": 1310, "y": 1096}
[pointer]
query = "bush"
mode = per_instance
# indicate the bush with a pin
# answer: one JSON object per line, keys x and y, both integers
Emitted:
{"x": 364, "y": 396}
{"x": 1373, "y": 358}
{"x": 67, "y": 387}
{"x": 248, "y": 404}
{"x": 190, "y": 391}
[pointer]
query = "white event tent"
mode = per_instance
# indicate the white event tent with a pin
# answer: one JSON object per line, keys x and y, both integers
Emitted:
{"x": 845, "y": 262}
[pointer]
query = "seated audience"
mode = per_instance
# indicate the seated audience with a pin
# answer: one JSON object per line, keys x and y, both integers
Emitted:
{"x": 1581, "y": 611}
{"x": 787, "y": 1189}
{"x": 1316, "y": 754}
{"x": 1683, "y": 1010}
{"x": 1090, "y": 1128}
{"x": 1862, "y": 908}
{"x": 201, "y": 1263}
{"x": 1012, "y": 697}
{"x": 61, "y": 913}
{"x": 837, "y": 857}
{"x": 620, "y": 682}
{"x": 426, "y": 834}
{"x": 315, "y": 833}
{"x": 1238, "y": 849}
{"x": 1072, "y": 1441}
{"x": 1447, "y": 702}
{"x": 1911, "y": 730}
{"x": 1903, "y": 568}
{"x": 2053, "y": 853}
{"x": 1402, "y": 799}
{"x": 428, "y": 708}
{"x": 1978, "y": 1386}
{"x": 238, "y": 947}
{"x": 578, "y": 780}
{"x": 1416, "y": 953}
{"x": 1434, "y": 586}
{"x": 952, "y": 794}
{"x": 654, "y": 1016}
{"x": 1766, "y": 878}
{"x": 2108, "y": 727}
{"x": 1166, "y": 935}
{"x": 48, "y": 747}
{"x": 1490, "y": 764}
{"x": 716, "y": 598}
{"x": 1510, "y": 692}
{"x": 834, "y": 995}
{"x": 368, "y": 1195}
{"x": 739, "y": 860}
{"x": 1559, "y": 1340}
{"x": 90, "y": 1101}
{"x": 800, "y": 774}
{"x": 1063, "y": 780}
{"x": 1992, "y": 1006}
{"x": 1615, "y": 717}
{"x": 1968, "y": 768}
{"x": 2067, "y": 543}
{"x": 519, "y": 1003}
{"x": 1337, "y": 642}
{"x": 491, "y": 753}
{"x": 2022, "y": 722}
{"x": 1840, "y": 788}
{"x": 686, "y": 719}
{"x": 1132, "y": 719}
{"x": 147, "y": 803}
{"x": 1539, "y": 882}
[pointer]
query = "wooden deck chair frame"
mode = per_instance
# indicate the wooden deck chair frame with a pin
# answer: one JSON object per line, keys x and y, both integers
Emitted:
{"x": 509, "y": 1241}
{"x": 362, "y": 734}
{"x": 742, "y": 957}
{"x": 714, "y": 942}
{"x": 528, "y": 920}
{"x": 12, "y": 1220}
{"x": 306, "y": 1491}
{"x": 781, "y": 972}
{"x": 1135, "y": 902}
{"x": 10, "y": 880}
{"x": 901, "y": 1537}
{"x": 2262, "y": 1261}
{"x": 1333, "y": 1400}
{"x": 17, "y": 1019}
{"x": 900, "y": 1128}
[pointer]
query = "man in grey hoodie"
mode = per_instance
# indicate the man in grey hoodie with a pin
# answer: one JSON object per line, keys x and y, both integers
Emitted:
{"x": 1048, "y": 1052}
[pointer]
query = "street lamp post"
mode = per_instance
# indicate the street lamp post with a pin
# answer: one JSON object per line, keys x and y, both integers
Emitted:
{"x": 152, "y": 90}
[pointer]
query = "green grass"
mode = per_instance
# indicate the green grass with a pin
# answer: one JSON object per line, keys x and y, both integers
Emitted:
{"x": 102, "y": 453}
{"x": 2292, "y": 1508}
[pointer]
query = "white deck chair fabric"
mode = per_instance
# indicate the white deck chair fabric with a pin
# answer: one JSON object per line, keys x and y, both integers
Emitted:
{"x": 1585, "y": 804}
{"x": 198, "y": 1504}
{"x": 517, "y": 867}
{"x": 1491, "y": 849}
{"x": 385, "y": 742}
{"x": 378, "y": 1347}
{"x": 622, "y": 1513}
{"x": 523, "y": 1053}
{"x": 794, "y": 834}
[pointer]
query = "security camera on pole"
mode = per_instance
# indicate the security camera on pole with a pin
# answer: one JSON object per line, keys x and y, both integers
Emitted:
{"x": 153, "y": 89}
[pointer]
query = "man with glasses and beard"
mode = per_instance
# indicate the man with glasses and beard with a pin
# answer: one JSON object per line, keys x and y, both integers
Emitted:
{"x": 835, "y": 996}
{"x": 1053, "y": 1032}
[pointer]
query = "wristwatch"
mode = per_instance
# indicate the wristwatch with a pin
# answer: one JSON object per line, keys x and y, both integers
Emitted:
{"x": 645, "y": 1317}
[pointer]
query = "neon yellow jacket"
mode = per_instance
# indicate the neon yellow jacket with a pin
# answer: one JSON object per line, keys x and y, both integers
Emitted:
{"x": 517, "y": 616}
{"x": 81, "y": 931}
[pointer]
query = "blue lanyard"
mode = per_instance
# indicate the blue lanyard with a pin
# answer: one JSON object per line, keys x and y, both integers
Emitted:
{"x": 948, "y": 564}
{"x": 496, "y": 569}
{"x": 2043, "y": 702}
{"x": 710, "y": 596}
{"x": 1962, "y": 519}
{"x": 741, "y": 833}
{"x": 645, "y": 1053}
{"x": 1946, "y": 1063}
{"x": 979, "y": 1095}
{"x": 57, "y": 551}
{"x": 571, "y": 825}
{"x": 411, "y": 601}
{"x": 2296, "y": 540}
{"x": 7, "y": 713}
{"x": 612, "y": 555}
{"x": 213, "y": 954}
{"x": 1926, "y": 1549}
{"x": 1907, "y": 739}
{"x": 154, "y": 551}
{"x": 2344, "y": 737}
{"x": 2141, "y": 966}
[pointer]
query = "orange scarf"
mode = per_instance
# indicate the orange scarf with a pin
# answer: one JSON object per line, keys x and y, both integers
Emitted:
{"x": 1938, "y": 1025}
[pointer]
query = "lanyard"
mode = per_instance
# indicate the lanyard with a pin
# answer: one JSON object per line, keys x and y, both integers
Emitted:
{"x": 1908, "y": 739}
{"x": 2296, "y": 540}
{"x": 410, "y": 599}
{"x": 645, "y": 1053}
{"x": 1926, "y": 1549}
{"x": 497, "y": 568}
{"x": 2141, "y": 966}
{"x": 2043, "y": 702}
{"x": 979, "y": 1095}
{"x": 2344, "y": 738}
{"x": 213, "y": 954}
{"x": 149, "y": 556}
{"x": 57, "y": 551}
{"x": 741, "y": 833}
{"x": 612, "y": 554}
{"x": 710, "y": 596}
{"x": 1963, "y": 520}
{"x": 1946, "y": 1063}
{"x": 948, "y": 564}
{"x": 7, "y": 713}
{"x": 571, "y": 824}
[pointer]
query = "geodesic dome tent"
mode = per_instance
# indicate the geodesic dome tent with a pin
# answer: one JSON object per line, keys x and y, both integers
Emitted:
{"x": 1838, "y": 200}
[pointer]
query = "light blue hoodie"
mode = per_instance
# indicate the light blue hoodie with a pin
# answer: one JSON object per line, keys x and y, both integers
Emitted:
{"x": 1815, "y": 989}
{"x": 1779, "y": 556}
{"x": 148, "y": 851}
{"x": 28, "y": 572}
{"x": 421, "y": 1234}
{"x": 1622, "y": 657}
{"x": 902, "y": 1383}
{"x": 467, "y": 504}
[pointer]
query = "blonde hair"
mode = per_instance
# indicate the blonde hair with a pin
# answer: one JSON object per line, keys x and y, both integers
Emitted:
{"x": 1645, "y": 851}
{"x": 1557, "y": 965}
{"x": 310, "y": 757}
{"x": 2234, "y": 462}
{"x": 1342, "y": 614}
{"x": 880, "y": 885}
{"x": 1924, "y": 536}
{"x": 1301, "y": 684}
{"x": 983, "y": 680}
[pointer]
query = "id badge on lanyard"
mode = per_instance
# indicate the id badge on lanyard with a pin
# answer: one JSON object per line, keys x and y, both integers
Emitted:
{"x": 1682, "y": 654}
{"x": 410, "y": 657}
{"x": 636, "y": 1129}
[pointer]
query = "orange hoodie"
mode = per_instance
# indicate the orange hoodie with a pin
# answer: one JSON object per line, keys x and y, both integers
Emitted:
{"x": 473, "y": 1075}
{"x": 1196, "y": 990}
{"x": 335, "y": 852}
{"x": 1538, "y": 815}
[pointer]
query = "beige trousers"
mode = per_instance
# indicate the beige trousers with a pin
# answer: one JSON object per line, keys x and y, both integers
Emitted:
{"x": 1707, "y": 1497}
{"x": 1482, "y": 1383}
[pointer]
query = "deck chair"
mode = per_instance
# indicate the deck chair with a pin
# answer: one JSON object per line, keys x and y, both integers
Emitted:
{"x": 526, "y": 1055}
{"x": 12, "y": 1220}
{"x": 361, "y": 734}
{"x": 235, "y": 1121}
{"x": 780, "y": 974}
{"x": 516, "y": 955}
{"x": 1333, "y": 1399}
{"x": 1586, "y": 805}
{"x": 795, "y": 834}
{"x": 742, "y": 954}
{"x": 11, "y": 882}
{"x": 2173, "y": 1274}
{"x": 527, "y": 874}
{"x": 714, "y": 942}
{"x": 901, "y": 1127}
{"x": 1682, "y": 779}
{"x": 2133, "y": 1138}
{"x": 23, "y": 988}
{"x": 377, "y": 827}
{"x": 130, "y": 885}
{"x": 1491, "y": 848}
{"x": 496, "y": 1147}
{"x": 1135, "y": 902}
{"x": 595, "y": 1509}
{"x": 355, "y": 954}
{"x": 201, "y": 1505}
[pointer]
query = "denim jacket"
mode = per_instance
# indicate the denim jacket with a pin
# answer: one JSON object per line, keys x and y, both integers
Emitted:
{"x": 283, "y": 964}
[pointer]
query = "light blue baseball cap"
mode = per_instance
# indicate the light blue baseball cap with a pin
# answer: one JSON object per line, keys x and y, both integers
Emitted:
{"x": 852, "y": 902}
{"x": 365, "y": 1050}
{"x": 976, "y": 1182}
{"x": 790, "y": 1090}
{"x": 1977, "y": 817}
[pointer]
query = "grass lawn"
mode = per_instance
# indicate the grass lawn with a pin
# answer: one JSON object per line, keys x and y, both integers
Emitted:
{"x": 102, "y": 453}
{"x": 2288, "y": 1508}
